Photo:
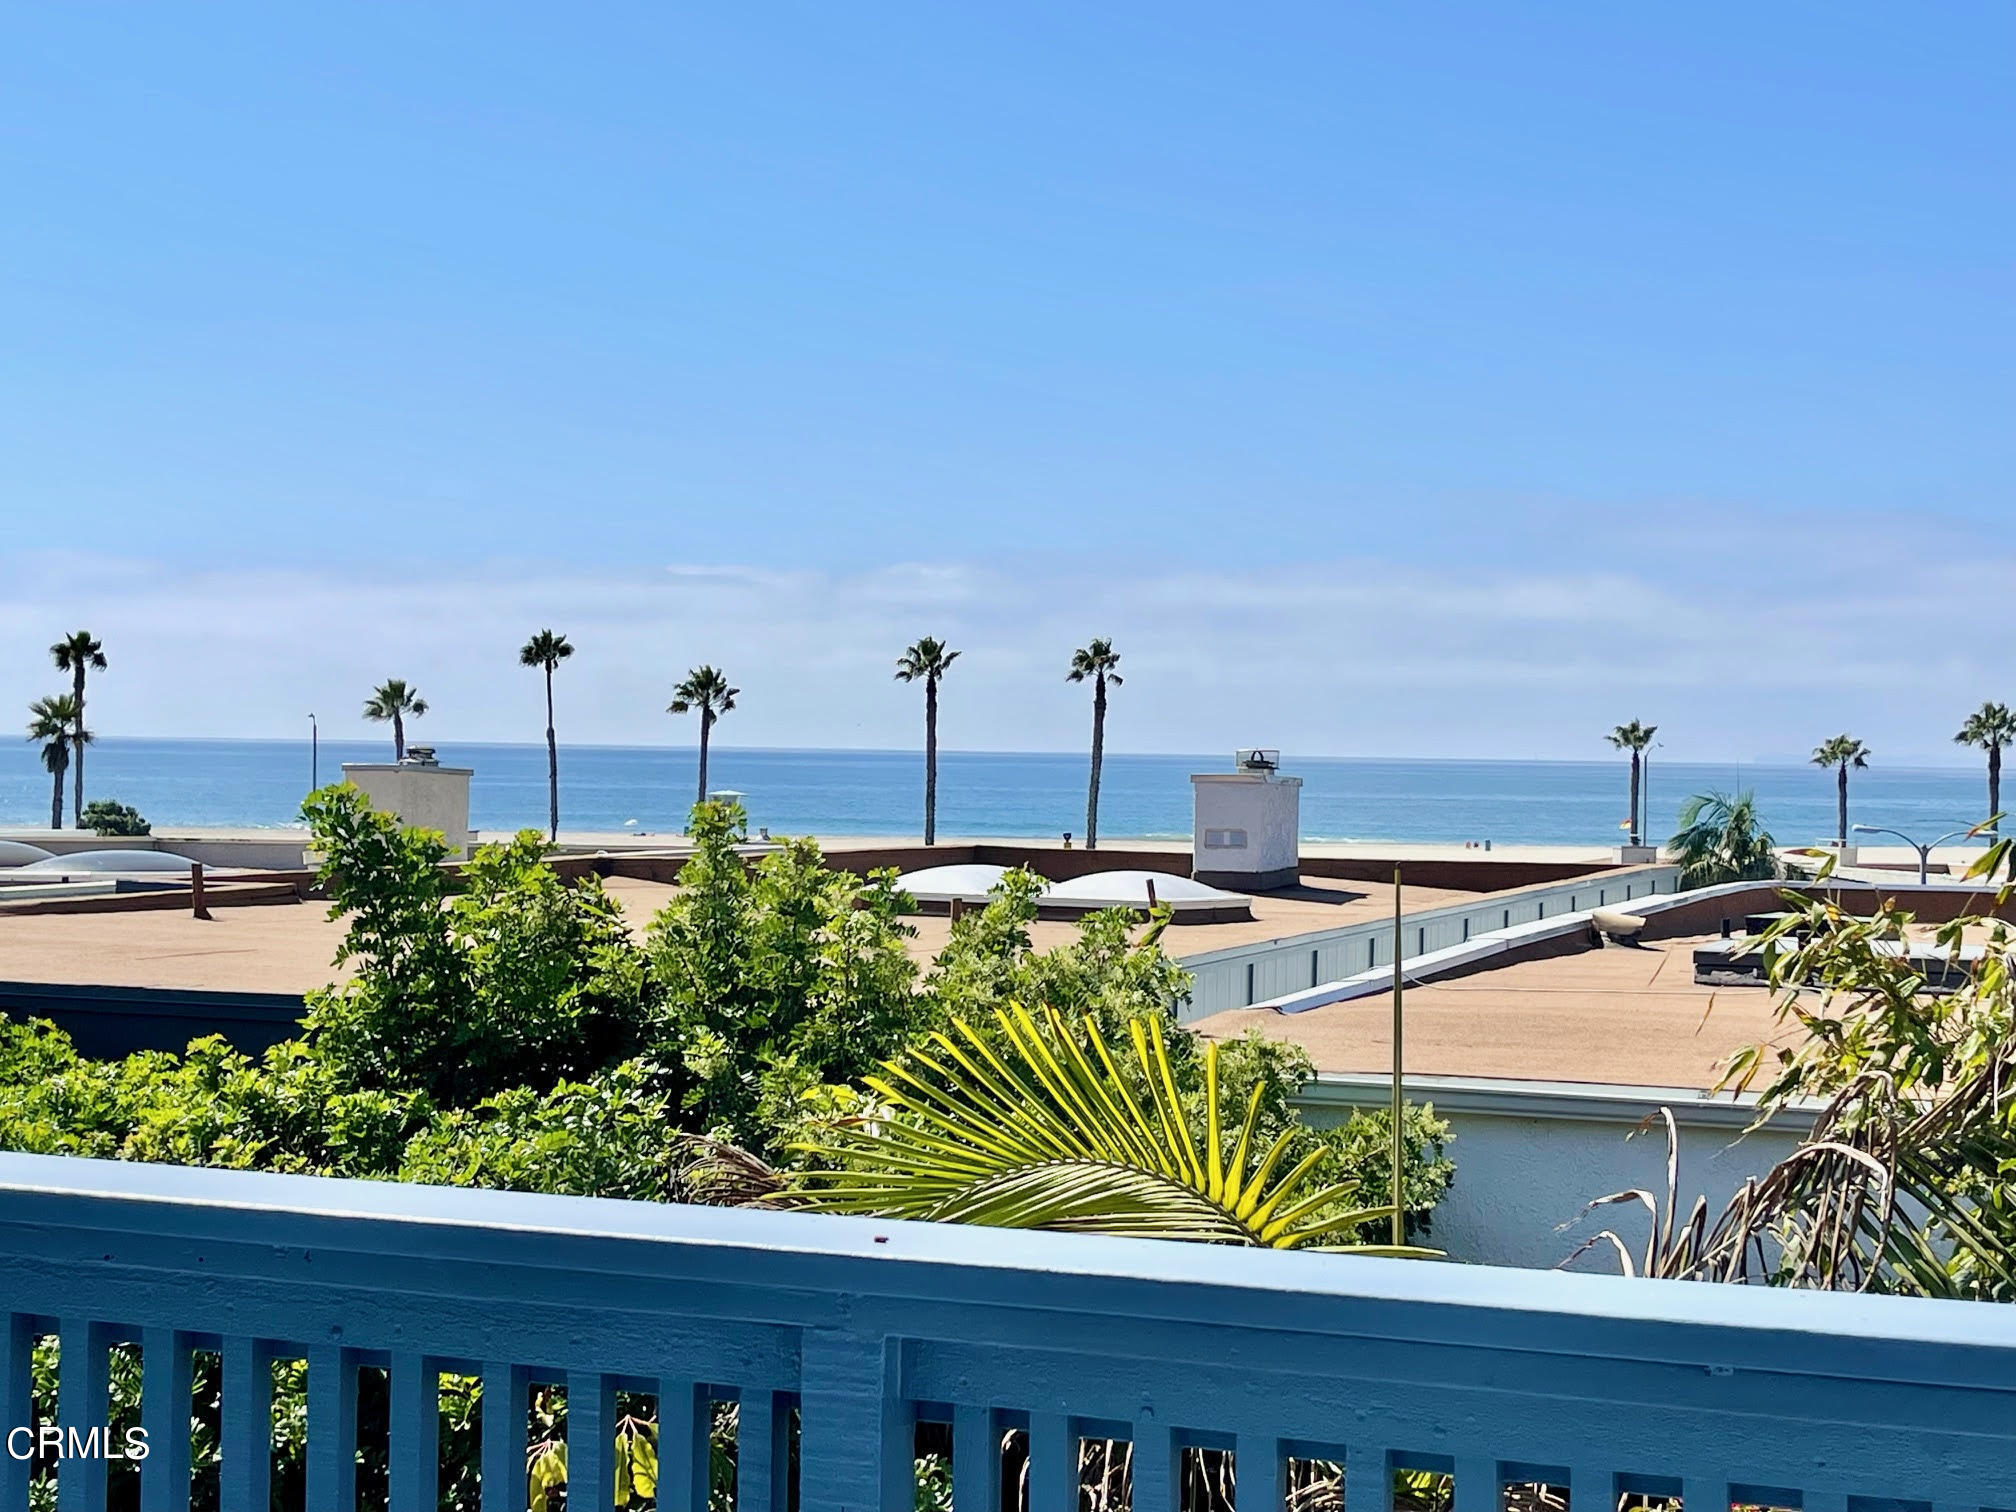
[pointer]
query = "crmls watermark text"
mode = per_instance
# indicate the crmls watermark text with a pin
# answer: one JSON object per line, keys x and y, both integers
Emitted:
{"x": 49, "y": 1442}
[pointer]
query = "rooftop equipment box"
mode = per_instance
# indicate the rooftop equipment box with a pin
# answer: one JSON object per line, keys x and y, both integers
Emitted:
{"x": 1247, "y": 825}
{"x": 420, "y": 792}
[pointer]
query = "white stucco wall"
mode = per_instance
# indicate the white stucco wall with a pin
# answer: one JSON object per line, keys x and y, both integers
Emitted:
{"x": 1268, "y": 809}
{"x": 1530, "y": 1156}
{"x": 424, "y": 797}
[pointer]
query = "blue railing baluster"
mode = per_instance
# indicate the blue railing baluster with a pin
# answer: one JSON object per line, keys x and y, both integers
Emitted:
{"x": 245, "y": 1439}
{"x": 762, "y": 1453}
{"x": 1368, "y": 1479}
{"x": 82, "y": 1406}
{"x": 1263, "y": 1473}
{"x": 1477, "y": 1485}
{"x": 1592, "y": 1488}
{"x": 1158, "y": 1469}
{"x": 17, "y": 1405}
{"x": 167, "y": 1369}
{"x": 332, "y": 1427}
{"x": 1053, "y": 1463}
{"x": 415, "y": 1421}
{"x": 1702, "y": 1493}
{"x": 857, "y": 1435}
{"x": 976, "y": 1460}
{"x": 685, "y": 1421}
{"x": 505, "y": 1390}
{"x": 591, "y": 1442}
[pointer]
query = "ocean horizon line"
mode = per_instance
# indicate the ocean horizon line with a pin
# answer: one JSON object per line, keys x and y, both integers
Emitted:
{"x": 717, "y": 748}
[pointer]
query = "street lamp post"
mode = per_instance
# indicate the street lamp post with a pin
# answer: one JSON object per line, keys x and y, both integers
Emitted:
{"x": 1645, "y": 794}
{"x": 1924, "y": 851}
{"x": 314, "y": 754}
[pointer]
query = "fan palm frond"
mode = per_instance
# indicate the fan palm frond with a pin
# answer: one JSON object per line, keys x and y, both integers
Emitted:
{"x": 1050, "y": 1133}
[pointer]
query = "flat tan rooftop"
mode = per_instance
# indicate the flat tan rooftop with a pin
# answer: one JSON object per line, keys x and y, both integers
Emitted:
{"x": 291, "y": 947}
{"x": 1629, "y": 1015}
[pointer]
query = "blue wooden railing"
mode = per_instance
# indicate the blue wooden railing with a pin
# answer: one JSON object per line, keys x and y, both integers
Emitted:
{"x": 1600, "y": 1385}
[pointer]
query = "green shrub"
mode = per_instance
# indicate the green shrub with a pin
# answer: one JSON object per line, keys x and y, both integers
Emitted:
{"x": 104, "y": 817}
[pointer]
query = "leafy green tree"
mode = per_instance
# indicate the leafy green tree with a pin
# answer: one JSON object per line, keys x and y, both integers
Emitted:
{"x": 1634, "y": 737}
{"x": 1095, "y": 662}
{"x": 78, "y": 653}
{"x": 602, "y": 1137}
{"x": 55, "y": 723}
{"x": 1990, "y": 727}
{"x": 1721, "y": 839}
{"x": 774, "y": 980}
{"x": 393, "y": 702}
{"x": 546, "y": 651}
{"x": 926, "y": 661}
{"x": 1841, "y": 753}
{"x": 517, "y": 980}
{"x": 707, "y": 690}
{"x": 103, "y": 816}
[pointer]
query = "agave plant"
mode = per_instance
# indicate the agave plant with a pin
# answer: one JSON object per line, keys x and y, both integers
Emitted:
{"x": 1052, "y": 1133}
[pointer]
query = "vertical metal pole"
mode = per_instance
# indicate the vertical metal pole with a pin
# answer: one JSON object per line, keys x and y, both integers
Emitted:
{"x": 314, "y": 754}
{"x": 1399, "y": 1142}
{"x": 1641, "y": 822}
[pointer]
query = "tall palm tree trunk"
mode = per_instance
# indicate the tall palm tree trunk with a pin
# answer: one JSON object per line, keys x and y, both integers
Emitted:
{"x": 706, "y": 729}
{"x": 1634, "y": 798}
{"x": 1098, "y": 757}
{"x": 931, "y": 761}
{"x": 552, "y": 767}
{"x": 77, "y": 753}
{"x": 56, "y": 799}
{"x": 1994, "y": 788}
{"x": 1841, "y": 806}
{"x": 398, "y": 737}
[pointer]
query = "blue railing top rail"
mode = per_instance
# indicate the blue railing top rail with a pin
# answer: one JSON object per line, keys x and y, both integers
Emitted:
{"x": 823, "y": 1263}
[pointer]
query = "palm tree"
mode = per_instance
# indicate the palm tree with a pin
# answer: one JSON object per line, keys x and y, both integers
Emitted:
{"x": 1057, "y": 1133}
{"x": 1634, "y": 737}
{"x": 1097, "y": 662}
{"x": 54, "y": 722}
{"x": 707, "y": 690}
{"x": 393, "y": 700}
{"x": 1841, "y": 753}
{"x": 1991, "y": 727}
{"x": 548, "y": 650}
{"x": 77, "y": 653}
{"x": 1721, "y": 840}
{"x": 927, "y": 660}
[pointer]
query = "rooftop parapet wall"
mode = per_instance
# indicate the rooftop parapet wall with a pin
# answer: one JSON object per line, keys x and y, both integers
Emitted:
{"x": 1717, "y": 1393}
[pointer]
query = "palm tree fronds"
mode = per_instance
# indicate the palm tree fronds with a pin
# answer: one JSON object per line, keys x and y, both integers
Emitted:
{"x": 1052, "y": 1130}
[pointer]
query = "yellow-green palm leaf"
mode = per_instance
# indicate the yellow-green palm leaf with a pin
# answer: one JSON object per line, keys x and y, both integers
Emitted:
{"x": 1049, "y": 1133}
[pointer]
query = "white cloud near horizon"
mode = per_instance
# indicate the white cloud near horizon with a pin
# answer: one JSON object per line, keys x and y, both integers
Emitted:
{"x": 1741, "y": 645}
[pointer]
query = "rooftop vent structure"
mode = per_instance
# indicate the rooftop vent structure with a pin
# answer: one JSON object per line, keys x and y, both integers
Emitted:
{"x": 1247, "y": 824}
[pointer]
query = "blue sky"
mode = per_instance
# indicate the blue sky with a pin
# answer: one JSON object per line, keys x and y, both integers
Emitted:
{"x": 1251, "y": 335}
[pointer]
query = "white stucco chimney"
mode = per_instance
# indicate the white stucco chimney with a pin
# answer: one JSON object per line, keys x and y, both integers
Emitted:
{"x": 1247, "y": 824}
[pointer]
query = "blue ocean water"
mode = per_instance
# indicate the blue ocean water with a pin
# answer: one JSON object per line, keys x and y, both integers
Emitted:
{"x": 252, "y": 782}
